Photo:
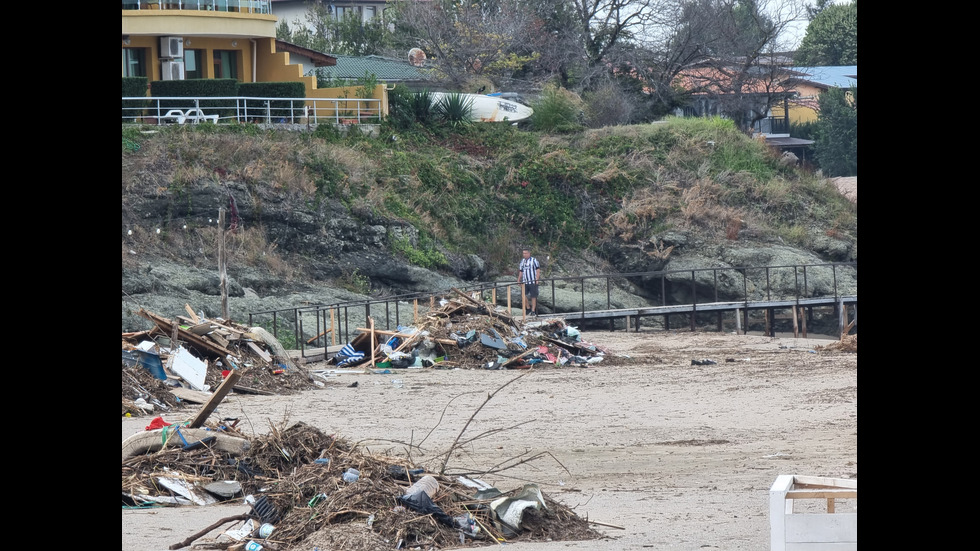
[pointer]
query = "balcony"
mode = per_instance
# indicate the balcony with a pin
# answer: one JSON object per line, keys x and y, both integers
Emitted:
{"x": 772, "y": 125}
{"x": 234, "y": 6}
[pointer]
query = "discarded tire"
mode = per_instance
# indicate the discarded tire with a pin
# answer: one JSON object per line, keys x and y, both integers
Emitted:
{"x": 152, "y": 440}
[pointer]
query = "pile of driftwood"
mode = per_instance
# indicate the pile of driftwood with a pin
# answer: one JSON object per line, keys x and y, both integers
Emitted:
{"x": 194, "y": 355}
{"x": 468, "y": 333}
{"x": 297, "y": 482}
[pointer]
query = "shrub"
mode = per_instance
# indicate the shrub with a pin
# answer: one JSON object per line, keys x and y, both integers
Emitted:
{"x": 557, "y": 110}
{"x": 454, "y": 109}
{"x": 279, "y": 111}
{"x": 133, "y": 87}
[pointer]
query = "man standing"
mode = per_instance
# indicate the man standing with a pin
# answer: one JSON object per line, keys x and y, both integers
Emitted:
{"x": 528, "y": 274}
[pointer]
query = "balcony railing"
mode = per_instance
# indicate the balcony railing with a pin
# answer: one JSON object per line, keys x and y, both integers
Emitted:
{"x": 239, "y": 109}
{"x": 773, "y": 125}
{"x": 240, "y": 6}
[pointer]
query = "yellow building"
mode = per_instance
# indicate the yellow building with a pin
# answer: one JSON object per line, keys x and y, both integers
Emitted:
{"x": 205, "y": 39}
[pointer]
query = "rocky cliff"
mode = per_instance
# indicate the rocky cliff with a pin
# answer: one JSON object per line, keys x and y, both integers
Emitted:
{"x": 283, "y": 249}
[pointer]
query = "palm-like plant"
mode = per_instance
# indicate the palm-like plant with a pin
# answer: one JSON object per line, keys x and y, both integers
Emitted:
{"x": 454, "y": 109}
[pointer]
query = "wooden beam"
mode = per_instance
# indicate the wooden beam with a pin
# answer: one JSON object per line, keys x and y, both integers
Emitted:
{"x": 219, "y": 394}
{"x": 169, "y": 327}
{"x": 190, "y": 312}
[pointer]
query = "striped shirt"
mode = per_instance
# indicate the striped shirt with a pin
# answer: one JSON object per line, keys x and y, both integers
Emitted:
{"x": 528, "y": 269}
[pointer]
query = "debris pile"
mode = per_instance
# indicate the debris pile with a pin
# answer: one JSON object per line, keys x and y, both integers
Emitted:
{"x": 300, "y": 488}
{"x": 467, "y": 333}
{"x": 206, "y": 351}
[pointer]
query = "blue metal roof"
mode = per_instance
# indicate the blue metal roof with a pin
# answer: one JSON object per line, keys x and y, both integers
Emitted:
{"x": 841, "y": 76}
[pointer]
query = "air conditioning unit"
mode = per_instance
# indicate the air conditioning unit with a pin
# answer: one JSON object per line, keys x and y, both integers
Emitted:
{"x": 173, "y": 70}
{"x": 171, "y": 46}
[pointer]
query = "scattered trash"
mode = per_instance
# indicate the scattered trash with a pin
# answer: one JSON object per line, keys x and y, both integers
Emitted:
{"x": 703, "y": 362}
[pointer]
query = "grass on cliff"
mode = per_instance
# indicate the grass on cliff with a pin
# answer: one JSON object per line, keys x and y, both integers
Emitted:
{"x": 491, "y": 189}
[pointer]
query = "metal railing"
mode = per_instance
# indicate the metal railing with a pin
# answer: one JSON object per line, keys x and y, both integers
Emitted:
{"x": 241, "y": 6}
{"x": 240, "y": 109}
{"x": 317, "y": 326}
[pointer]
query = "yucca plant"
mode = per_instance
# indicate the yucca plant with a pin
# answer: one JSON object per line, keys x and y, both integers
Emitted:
{"x": 420, "y": 105}
{"x": 454, "y": 109}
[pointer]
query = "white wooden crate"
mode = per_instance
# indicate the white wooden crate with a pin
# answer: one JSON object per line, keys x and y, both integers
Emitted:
{"x": 827, "y": 530}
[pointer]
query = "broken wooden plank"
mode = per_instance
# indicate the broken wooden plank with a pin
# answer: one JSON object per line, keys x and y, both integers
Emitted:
{"x": 262, "y": 353}
{"x": 190, "y": 312}
{"x": 219, "y": 394}
{"x": 169, "y": 326}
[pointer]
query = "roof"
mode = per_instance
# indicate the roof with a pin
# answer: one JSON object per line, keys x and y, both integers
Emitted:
{"x": 319, "y": 59}
{"x": 387, "y": 69}
{"x": 840, "y": 76}
{"x": 788, "y": 142}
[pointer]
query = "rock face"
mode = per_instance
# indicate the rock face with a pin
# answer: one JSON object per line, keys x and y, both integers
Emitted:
{"x": 329, "y": 253}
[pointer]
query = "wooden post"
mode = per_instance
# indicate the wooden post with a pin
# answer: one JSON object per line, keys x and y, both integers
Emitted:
{"x": 493, "y": 296}
{"x": 795, "y": 329}
{"x": 843, "y": 317}
{"x": 523, "y": 302}
{"x": 508, "y": 300}
{"x": 415, "y": 319}
{"x": 371, "y": 321}
{"x": 222, "y": 264}
{"x": 333, "y": 334}
{"x": 768, "y": 318}
{"x": 738, "y": 321}
{"x": 803, "y": 320}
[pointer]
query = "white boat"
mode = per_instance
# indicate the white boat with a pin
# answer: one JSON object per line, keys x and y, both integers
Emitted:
{"x": 491, "y": 108}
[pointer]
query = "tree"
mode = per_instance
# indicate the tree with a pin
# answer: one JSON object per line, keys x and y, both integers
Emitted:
{"x": 835, "y": 132}
{"x": 348, "y": 35}
{"x": 831, "y": 37}
{"x": 467, "y": 42}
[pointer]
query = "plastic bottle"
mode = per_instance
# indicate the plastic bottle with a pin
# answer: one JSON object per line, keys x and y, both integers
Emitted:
{"x": 351, "y": 475}
{"x": 253, "y": 546}
{"x": 427, "y": 484}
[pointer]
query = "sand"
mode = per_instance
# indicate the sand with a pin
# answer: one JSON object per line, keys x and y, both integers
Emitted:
{"x": 680, "y": 456}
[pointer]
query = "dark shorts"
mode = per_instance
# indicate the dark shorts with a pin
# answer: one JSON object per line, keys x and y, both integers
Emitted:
{"x": 531, "y": 290}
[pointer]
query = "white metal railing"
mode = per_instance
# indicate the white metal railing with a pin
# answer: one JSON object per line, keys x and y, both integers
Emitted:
{"x": 240, "y": 109}
{"x": 242, "y": 6}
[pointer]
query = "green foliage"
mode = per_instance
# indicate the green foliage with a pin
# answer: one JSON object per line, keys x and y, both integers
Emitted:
{"x": 557, "y": 110}
{"x": 196, "y": 88}
{"x": 134, "y": 87}
{"x": 831, "y": 37}
{"x": 279, "y": 111}
{"x": 424, "y": 256}
{"x": 836, "y": 132}
{"x": 454, "y": 110}
{"x": 354, "y": 281}
{"x": 284, "y": 331}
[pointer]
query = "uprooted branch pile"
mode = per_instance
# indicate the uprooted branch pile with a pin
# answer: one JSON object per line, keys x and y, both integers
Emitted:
{"x": 294, "y": 480}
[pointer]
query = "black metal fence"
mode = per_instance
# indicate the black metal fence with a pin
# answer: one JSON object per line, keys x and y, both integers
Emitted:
{"x": 315, "y": 327}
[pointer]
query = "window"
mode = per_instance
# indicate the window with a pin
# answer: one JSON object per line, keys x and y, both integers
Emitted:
{"x": 193, "y": 68}
{"x": 370, "y": 12}
{"x": 134, "y": 62}
{"x": 225, "y": 64}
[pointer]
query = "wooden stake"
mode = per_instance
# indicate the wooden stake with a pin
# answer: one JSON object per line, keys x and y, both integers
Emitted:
{"x": 523, "y": 302}
{"x": 333, "y": 334}
{"x": 371, "y": 323}
{"x": 415, "y": 320}
{"x": 803, "y": 320}
{"x": 795, "y": 330}
{"x": 738, "y": 321}
{"x": 508, "y": 299}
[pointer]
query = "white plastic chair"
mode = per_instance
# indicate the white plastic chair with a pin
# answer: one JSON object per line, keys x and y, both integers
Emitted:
{"x": 174, "y": 115}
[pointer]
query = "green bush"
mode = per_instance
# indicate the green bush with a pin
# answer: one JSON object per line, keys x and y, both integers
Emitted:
{"x": 133, "y": 87}
{"x": 196, "y": 88}
{"x": 557, "y": 110}
{"x": 279, "y": 111}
